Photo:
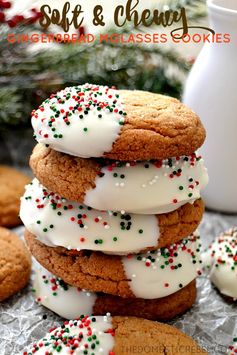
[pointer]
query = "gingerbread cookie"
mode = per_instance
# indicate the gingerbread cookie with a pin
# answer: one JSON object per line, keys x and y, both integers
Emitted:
{"x": 154, "y": 274}
{"x": 59, "y": 222}
{"x": 15, "y": 264}
{"x": 115, "y": 336}
{"x": 221, "y": 261}
{"x": 12, "y": 184}
{"x": 153, "y": 187}
{"x": 96, "y": 121}
{"x": 70, "y": 302}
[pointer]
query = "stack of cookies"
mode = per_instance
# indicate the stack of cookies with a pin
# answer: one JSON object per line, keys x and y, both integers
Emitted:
{"x": 113, "y": 211}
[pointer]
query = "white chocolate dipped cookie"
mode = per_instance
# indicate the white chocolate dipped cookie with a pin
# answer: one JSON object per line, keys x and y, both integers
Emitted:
{"x": 152, "y": 187}
{"x": 71, "y": 302}
{"x": 232, "y": 349}
{"x": 151, "y": 275}
{"x": 83, "y": 120}
{"x": 97, "y": 121}
{"x": 67, "y": 301}
{"x": 165, "y": 271}
{"x": 59, "y": 222}
{"x": 220, "y": 259}
{"x": 89, "y": 335}
{"x": 114, "y": 336}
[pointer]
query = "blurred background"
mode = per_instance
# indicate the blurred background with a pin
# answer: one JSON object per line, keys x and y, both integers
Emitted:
{"x": 30, "y": 72}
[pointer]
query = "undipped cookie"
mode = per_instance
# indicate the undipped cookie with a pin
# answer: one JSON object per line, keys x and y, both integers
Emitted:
{"x": 96, "y": 121}
{"x": 115, "y": 336}
{"x": 12, "y": 183}
{"x": 15, "y": 264}
{"x": 153, "y": 187}
{"x": 154, "y": 274}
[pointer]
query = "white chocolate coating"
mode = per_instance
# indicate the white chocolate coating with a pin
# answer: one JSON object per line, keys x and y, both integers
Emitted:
{"x": 78, "y": 120}
{"x": 150, "y": 187}
{"x": 232, "y": 349}
{"x": 78, "y": 335}
{"x": 53, "y": 293}
{"x": 221, "y": 260}
{"x": 58, "y": 222}
{"x": 165, "y": 271}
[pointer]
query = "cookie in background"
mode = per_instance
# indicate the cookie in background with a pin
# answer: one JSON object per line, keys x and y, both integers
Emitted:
{"x": 15, "y": 264}
{"x": 220, "y": 260}
{"x": 12, "y": 183}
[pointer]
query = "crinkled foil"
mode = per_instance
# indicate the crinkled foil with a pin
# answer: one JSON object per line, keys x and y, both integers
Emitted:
{"x": 212, "y": 321}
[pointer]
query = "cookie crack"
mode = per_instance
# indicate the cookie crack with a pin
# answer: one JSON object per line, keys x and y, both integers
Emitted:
{"x": 116, "y": 283}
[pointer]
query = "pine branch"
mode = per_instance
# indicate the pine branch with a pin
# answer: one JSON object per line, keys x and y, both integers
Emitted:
{"x": 12, "y": 107}
{"x": 196, "y": 9}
